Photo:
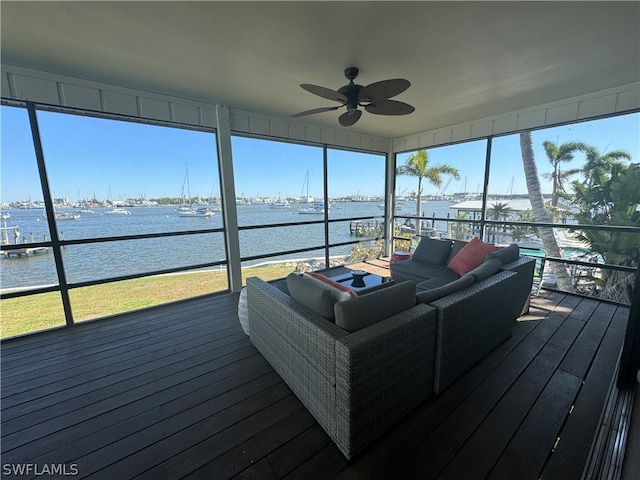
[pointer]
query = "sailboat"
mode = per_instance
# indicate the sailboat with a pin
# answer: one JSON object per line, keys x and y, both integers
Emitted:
{"x": 115, "y": 209}
{"x": 61, "y": 215}
{"x": 188, "y": 209}
{"x": 311, "y": 205}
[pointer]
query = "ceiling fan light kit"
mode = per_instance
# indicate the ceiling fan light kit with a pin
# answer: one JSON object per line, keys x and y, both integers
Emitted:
{"x": 374, "y": 98}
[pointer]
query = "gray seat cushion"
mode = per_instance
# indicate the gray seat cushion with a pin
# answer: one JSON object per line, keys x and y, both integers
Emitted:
{"x": 418, "y": 271}
{"x": 432, "y": 251}
{"x": 360, "y": 312}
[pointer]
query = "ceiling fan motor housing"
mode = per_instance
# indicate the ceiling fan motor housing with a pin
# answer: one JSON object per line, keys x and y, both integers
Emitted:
{"x": 351, "y": 92}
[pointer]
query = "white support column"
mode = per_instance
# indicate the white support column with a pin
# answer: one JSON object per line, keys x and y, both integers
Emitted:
{"x": 228, "y": 194}
{"x": 389, "y": 206}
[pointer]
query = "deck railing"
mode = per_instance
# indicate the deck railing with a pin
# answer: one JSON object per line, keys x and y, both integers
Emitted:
{"x": 576, "y": 268}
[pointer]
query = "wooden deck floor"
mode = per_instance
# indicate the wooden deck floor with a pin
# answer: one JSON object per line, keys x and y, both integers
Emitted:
{"x": 179, "y": 392}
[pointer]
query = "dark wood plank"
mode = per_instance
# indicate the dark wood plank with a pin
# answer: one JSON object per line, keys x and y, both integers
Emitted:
{"x": 52, "y": 340}
{"x": 109, "y": 392}
{"x": 326, "y": 464}
{"x": 248, "y": 377}
{"x": 184, "y": 446}
{"x": 84, "y": 339}
{"x": 98, "y": 368}
{"x": 179, "y": 391}
{"x": 445, "y": 439}
{"x": 297, "y": 451}
{"x": 530, "y": 447}
{"x": 246, "y": 454}
{"x": 580, "y": 357}
{"x": 259, "y": 471}
{"x": 90, "y": 343}
{"x": 575, "y": 439}
{"x": 495, "y": 428}
{"x": 396, "y": 444}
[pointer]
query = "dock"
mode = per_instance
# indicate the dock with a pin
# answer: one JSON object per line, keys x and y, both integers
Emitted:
{"x": 366, "y": 228}
{"x": 18, "y": 252}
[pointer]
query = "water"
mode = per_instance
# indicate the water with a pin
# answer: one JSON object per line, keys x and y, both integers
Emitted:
{"x": 109, "y": 259}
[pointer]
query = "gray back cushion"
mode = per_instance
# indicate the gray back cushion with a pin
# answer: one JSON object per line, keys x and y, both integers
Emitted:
{"x": 485, "y": 269}
{"x": 455, "y": 248}
{"x": 360, "y": 312}
{"x": 433, "y": 251}
{"x": 506, "y": 255}
{"x": 316, "y": 295}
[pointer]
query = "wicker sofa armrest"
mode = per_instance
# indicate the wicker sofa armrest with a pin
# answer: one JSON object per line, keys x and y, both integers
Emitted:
{"x": 299, "y": 344}
{"x": 521, "y": 265}
{"x": 525, "y": 268}
{"x": 471, "y": 323}
{"x": 383, "y": 371}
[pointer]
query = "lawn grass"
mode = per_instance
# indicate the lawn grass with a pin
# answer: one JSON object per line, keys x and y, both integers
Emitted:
{"x": 42, "y": 311}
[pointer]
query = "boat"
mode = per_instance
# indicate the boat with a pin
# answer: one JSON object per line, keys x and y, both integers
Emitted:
{"x": 188, "y": 208}
{"x": 117, "y": 211}
{"x": 116, "y": 207}
{"x": 280, "y": 204}
{"x": 197, "y": 212}
{"x": 399, "y": 206}
{"x": 316, "y": 208}
{"x": 309, "y": 205}
{"x": 66, "y": 216}
{"x": 61, "y": 216}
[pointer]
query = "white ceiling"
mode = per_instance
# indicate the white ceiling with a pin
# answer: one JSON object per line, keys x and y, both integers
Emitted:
{"x": 465, "y": 60}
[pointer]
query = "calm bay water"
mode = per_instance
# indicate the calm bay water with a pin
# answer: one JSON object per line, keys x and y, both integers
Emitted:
{"x": 109, "y": 259}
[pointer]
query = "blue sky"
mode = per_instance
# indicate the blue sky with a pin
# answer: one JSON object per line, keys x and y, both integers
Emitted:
{"x": 506, "y": 173}
{"x": 87, "y": 156}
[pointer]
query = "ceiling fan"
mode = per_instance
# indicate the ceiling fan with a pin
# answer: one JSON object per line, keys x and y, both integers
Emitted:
{"x": 374, "y": 98}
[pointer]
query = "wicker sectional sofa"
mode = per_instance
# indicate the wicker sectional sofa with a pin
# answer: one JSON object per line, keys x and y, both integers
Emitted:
{"x": 360, "y": 364}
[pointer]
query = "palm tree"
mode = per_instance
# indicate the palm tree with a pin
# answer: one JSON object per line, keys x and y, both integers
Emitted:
{"x": 599, "y": 166}
{"x": 614, "y": 200}
{"x": 556, "y": 156}
{"x": 460, "y": 228}
{"x": 417, "y": 165}
{"x": 498, "y": 211}
{"x": 540, "y": 213}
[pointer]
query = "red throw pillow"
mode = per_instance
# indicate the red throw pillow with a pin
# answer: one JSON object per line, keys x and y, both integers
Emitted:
{"x": 470, "y": 256}
{"x": 333, "y": 283}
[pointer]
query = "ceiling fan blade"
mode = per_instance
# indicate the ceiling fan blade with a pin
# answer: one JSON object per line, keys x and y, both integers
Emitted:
{"x": 389, "y": 107}
{"x": 383, "y": 90}
{"x": 324, "y": 92}
{"x": 315, "y": 110}
{"x": 349, "y": 118}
